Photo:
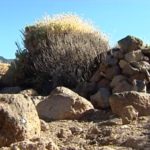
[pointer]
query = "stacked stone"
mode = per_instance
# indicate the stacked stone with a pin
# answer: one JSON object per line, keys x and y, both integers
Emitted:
{"x": 125, "y": 68}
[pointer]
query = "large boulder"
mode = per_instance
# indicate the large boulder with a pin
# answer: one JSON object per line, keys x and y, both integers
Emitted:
{"x": 63, "y": 104}
{"x": 140, "y": 101}
{"x": 18, "y": 119}
{"x": 130, "y": 43}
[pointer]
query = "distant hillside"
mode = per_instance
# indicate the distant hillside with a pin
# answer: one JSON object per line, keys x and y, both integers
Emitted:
{"x": 4, "y": 60}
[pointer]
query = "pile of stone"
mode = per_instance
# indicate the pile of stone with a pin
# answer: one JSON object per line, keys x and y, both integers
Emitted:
{"x": 125, "y": 68}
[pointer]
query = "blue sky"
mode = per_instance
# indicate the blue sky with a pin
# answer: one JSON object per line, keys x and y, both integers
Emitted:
{"x": 116, "y": 18}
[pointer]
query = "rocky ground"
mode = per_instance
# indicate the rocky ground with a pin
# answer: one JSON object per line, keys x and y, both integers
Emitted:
{"x": 96, "y": 134}
{"x": 100, "y": 134}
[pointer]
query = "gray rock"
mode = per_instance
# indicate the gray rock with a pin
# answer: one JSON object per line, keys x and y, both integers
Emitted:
{"x": 139, "y": 85}
{"x": 139, "y": 76}
{"x": 146, "y": 58}
{"x": 117, "y": 53}
{"x": 122, "y": 86}
{"x": 141, "y": 65}
{"x": 129, "y": 114}
{"x": 130, "y": 70}
{"x": 103, "y": 67}
{"x": 134, "y": 56}
{"x": 146, "y": 52}
{"x": 116, "y": 80}
{"x": 105, "y": 71}
{"x": 97, "y": 75}
{"x": 101, "y": 98}
{"x": 110, "y": 60}
{"x": 111, "y": 72}
{"x": 86, "y": 89}
{"x": 130, "y": 43}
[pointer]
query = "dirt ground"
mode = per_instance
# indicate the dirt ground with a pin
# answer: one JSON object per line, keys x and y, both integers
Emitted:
{"x": 100, "y": 130}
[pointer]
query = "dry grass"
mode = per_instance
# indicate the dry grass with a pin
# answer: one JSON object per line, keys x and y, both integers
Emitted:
{"x": 66, "y": 22}
{"x": 4, "y": 68}
{"x": 59, "y": 26}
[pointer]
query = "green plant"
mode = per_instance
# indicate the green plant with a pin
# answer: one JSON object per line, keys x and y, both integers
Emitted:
{"x": 23, "y": 65}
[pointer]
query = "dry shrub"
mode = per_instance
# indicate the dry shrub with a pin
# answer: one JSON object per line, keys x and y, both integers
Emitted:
{"x": 19, "y": 71}
{"x": 4, "y": 68}
{"x": 65, "y": 47}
